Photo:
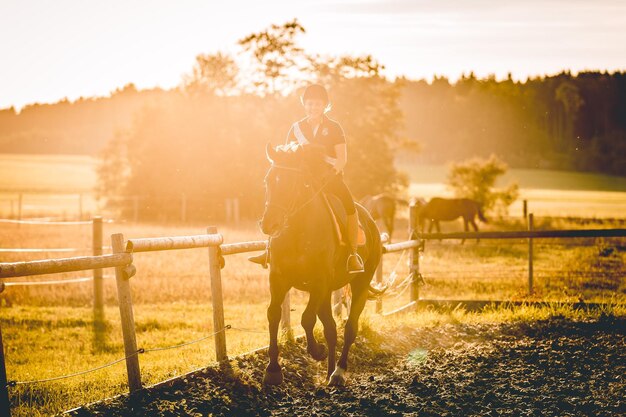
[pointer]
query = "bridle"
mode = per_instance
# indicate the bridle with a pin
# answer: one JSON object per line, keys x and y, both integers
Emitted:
{"x": 293, "y": 208}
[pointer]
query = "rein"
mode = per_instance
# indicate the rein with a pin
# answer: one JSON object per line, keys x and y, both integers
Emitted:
{"x": 293, "y": 209}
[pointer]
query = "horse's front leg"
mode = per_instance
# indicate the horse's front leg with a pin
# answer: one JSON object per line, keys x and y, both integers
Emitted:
{"x": 359, "y": 298}
{"x": 330, "y": 332}
{"x": 466, "y": 228}
{"x": 273, "y": 372}
{"x": 309, "y": 317}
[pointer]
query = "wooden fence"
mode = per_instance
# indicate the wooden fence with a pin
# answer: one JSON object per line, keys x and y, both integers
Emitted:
{"x": 122, "y": 260}
{"x": 97, "y": 249}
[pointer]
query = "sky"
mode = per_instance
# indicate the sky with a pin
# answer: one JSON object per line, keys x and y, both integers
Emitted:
{"x": 50, "y": 50}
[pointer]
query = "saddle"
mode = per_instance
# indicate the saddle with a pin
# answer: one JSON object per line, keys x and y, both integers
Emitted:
{"x": 338, "y": 214}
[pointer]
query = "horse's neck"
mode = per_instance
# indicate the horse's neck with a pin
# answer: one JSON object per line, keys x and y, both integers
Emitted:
{"x": 311, "y": 220}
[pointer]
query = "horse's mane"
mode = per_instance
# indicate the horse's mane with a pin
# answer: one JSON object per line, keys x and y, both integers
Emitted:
{"x": 295, "y": 155}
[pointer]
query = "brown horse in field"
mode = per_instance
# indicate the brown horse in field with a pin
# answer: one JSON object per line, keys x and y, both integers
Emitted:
{"x": 305, "y": 254}
{"x": 448, "y": 209}
{"x": 383, "y": 207}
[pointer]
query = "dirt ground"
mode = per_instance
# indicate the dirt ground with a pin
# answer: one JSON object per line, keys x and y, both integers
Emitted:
{"x": 554, "y": 367}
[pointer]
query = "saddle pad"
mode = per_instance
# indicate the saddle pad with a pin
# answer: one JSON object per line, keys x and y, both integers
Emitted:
{"x": 338, "y": 214}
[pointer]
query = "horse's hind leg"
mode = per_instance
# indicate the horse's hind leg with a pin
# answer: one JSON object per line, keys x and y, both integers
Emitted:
{"x": 273, "y": 372}
{"x": 389, "y": 226}
{"x": 330, "y": 332}
{"x": 475, "y": 226}
{"x": 309, "y": 317}
{"x": 359, "y": 298}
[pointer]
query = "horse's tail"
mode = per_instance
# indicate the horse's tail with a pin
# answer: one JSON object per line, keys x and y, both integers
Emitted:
{"x": 376, "y": 292}
{"x": 481, "y": 216}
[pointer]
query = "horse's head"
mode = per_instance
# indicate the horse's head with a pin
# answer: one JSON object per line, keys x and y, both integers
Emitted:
{"x": 287, "y": 181}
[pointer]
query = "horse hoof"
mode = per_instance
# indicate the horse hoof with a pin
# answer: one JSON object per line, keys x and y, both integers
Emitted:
{"x": 273, "y": 378}
{"x": 320, "y": 353}
{"x": 338, "y": 378}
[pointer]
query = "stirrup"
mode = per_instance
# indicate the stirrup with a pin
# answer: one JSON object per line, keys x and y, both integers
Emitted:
{"x": 262, "y": 259}
{"x": 359, "y": 269}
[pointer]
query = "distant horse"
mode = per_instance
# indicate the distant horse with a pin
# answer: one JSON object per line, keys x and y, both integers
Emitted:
{"x": 444, "y": 209}
{"x": 383, "y": 207}
{"x": 306, "y": 254}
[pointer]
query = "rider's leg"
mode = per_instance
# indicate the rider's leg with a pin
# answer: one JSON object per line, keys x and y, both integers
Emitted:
{"x": 354, "y": 263}
{"x": 337, "y": 187}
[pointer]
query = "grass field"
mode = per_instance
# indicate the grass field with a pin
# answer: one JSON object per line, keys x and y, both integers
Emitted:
{"x": 60, "y": 186}
{"x": 549, "y": 193}
{"x": 48, "y": 330}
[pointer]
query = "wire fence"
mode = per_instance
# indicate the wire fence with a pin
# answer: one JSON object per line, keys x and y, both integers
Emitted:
{"x": 49, "y": 222}
{"x": 139, "y": 351}
{"x": 49, "y": 250}
{"x": 54, "y": 282}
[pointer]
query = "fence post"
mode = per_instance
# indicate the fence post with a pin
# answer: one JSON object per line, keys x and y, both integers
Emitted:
{"x": 5, "y": 404}
{"x": 229, "y": 210}
{"x": 19, "y": 207}
{"x": 414, "y": 256}
{"x": 217, "y": 300}
{"x": 525, "y": 209}
{"x": 337, "y": 300}
{"x": 183, "y": 208}
{"x": 126, "y": 314}
{"x": 379, "y": 280}
{"x": 530, "y": 254}
{"x": 135, "y": 209}
{"x": 98, "y": 289}
{"x": 236, "y": 210}
{"x": 285, "y": 317}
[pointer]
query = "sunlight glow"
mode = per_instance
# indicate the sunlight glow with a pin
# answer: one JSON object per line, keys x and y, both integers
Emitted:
{"x": 71, "y": 48}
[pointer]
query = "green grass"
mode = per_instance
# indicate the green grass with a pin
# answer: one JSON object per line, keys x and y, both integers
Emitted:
{"x": 47, "y": 173}
{"x": 541, "y": 179}
{"x": 548, "y": 192}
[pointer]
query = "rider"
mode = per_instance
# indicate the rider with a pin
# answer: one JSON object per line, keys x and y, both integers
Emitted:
{"x": 319, "y": 131}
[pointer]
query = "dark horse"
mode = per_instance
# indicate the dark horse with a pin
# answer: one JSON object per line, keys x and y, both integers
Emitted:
{"x": 444, "y": 209}
{"x": 306, "y": 254}
{"x": 383, "y": 207}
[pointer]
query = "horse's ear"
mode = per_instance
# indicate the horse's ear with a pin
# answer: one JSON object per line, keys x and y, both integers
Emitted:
{"x": 270, "y": 152}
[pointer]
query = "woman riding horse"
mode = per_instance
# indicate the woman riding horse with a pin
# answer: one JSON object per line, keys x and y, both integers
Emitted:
{"x": 319, "y": 132}
{"x": 307, "y": 254}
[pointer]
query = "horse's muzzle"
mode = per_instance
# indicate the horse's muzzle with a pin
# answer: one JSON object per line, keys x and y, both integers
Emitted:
{"x": 270, "y": 227}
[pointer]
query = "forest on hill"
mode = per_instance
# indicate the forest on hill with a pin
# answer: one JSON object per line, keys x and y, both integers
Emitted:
{"x": 563, "y": 121}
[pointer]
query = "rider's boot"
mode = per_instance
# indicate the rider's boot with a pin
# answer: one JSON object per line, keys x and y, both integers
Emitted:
{"x": 354, "y": 263}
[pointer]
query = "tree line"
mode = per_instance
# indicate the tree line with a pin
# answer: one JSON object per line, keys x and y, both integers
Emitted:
{"x": 565, "y": 121}
{"x": 206, "y": 138}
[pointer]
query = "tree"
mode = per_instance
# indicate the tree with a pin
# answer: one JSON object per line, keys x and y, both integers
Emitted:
{"x": 367, "y": 106}
{"x": 212, "y": 74}
{"x": 568, "y": 95}
{"x": 276, "y": 55}
{"x": 476, "y": 178}
{"x": 113, "y": 170}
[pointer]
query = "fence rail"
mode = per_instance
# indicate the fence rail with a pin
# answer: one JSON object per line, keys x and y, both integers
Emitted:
{"x": 173, "y": 243}
{"x": 53, "y": 266}
{"x": 526, "y": 234}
